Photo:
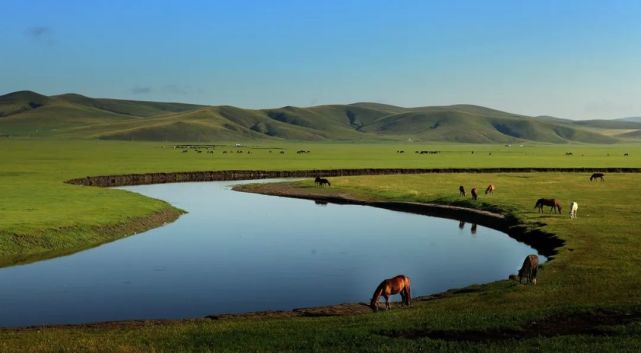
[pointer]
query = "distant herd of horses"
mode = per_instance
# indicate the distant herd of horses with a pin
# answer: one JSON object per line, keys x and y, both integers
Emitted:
{"x": 401, "y": 284}
{"x": 488, "y": 190}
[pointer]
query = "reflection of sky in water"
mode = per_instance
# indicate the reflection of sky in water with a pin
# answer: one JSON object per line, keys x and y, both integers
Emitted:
{"x": 236, "y": 252}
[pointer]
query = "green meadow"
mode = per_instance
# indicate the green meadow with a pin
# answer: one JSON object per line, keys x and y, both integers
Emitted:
{"x": 586, "y": 300}
{"x": 43, "y": 216}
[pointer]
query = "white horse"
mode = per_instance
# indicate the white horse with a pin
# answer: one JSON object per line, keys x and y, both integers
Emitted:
{"x": 573, "y": 208}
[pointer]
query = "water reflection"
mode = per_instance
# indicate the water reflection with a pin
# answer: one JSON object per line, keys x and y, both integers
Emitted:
{"x": 473, "y": 228}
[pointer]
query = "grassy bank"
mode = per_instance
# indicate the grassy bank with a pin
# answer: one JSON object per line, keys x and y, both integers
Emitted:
{"x": 586, "y": 300}
{"x": 42, "y": 216}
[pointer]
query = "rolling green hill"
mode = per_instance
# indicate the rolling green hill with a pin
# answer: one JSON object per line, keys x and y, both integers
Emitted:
{"x": 30, "y": 114}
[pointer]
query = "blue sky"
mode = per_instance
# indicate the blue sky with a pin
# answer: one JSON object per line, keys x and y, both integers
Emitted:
{"x": 573, "y": 59}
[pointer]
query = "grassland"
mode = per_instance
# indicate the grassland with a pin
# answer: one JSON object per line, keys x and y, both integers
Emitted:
{"x": 41, "y": 214}
{"x": 595, "y": 277}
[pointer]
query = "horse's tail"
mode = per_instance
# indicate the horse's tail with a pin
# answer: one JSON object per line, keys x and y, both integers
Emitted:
{"x": 408, "y": 291}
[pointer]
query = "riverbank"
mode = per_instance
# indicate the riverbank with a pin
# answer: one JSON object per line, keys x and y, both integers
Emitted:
{"x": 586, "y": 299}
{"x": 51, "y": 243}
{"x": 546, "y": 244}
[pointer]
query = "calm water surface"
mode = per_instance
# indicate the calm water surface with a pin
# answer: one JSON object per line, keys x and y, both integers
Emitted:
{"x": 238, "y": 252}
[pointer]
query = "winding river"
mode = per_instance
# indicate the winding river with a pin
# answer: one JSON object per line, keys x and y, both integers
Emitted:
{"x": 239, "y": 252}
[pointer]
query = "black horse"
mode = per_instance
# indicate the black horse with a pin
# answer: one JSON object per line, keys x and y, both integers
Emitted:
{"x": 322, "y": 181}
{"x": 596, "y": 176}
{"x": 461, "y": 191}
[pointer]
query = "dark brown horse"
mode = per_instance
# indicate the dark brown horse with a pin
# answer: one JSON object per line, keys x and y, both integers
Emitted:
{"x": 490, "y": 189}
{"x": 596, "y": 176}
{"x": 461, "y": 191}
{"x": 474, "y": 194}
{"x": 529, "y": 269}
{"x": 322, "y": 181}
{"x": 553, "y": 203}
{"x": 397, "y": 285}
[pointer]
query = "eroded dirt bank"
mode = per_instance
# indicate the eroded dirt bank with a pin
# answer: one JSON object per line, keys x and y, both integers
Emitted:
{"x": 545, "y": 243}
{"x": 177, "y": 177}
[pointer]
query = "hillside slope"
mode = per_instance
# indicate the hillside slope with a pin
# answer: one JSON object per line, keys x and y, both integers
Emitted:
{"x": 26, "y": 113}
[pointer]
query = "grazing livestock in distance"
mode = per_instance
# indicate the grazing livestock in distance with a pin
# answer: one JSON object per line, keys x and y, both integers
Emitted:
{"x": 553, "y": 203}
{"x": 461, "y": 191}
{"x": 397, "y": 285}
{"x": 573, "y": 208}
{"x": 529, "y": 269}
{"x": 490, "y": 189}
{"x": 474, "y": 194}
{"x": 596, "y": 176}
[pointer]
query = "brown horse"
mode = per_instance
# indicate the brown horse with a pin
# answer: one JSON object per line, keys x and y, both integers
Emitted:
{"x": 474, "y": 194}
{"x": 397, "y": 285}
{"x": 553, "y": 203}
{"x": 490, "y": 189}
{"x": 596, "y": 176}
{"x": 529, "y": 269}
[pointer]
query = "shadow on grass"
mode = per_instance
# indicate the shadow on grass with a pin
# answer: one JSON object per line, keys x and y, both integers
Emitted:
{"x": 594, "y": 323}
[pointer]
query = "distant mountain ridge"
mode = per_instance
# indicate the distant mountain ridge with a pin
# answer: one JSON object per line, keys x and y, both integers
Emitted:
{"x": 26, "y": 113}
{"x": 636, "y": 119}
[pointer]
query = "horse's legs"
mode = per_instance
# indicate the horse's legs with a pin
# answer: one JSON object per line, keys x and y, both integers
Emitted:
{"x": 387, "y": 305}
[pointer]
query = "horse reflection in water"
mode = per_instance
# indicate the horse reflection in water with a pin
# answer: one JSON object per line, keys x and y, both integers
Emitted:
{"x": 396, "y": 285}
{"x": 320, "y": 202}
{"x": 461, "y": 226}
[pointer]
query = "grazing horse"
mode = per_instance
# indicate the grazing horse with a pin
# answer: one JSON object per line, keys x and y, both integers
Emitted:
{"x": 397, "y": 285}
{"x": 461, "y": 191}
{"x": 474, "y": 194}
{"x": 596, "y": 176}
{"x": 529, "y": 269}
{"x": 322, "y": 181}
{"x": 573, "y": 208}
{"x": 553, "y": 203}
{"x": 490, "y": 189}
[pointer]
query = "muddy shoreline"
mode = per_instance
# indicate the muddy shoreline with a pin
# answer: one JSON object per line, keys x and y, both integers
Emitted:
{"x": 222, "y": 175}
{"x": 545, "y": 243}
